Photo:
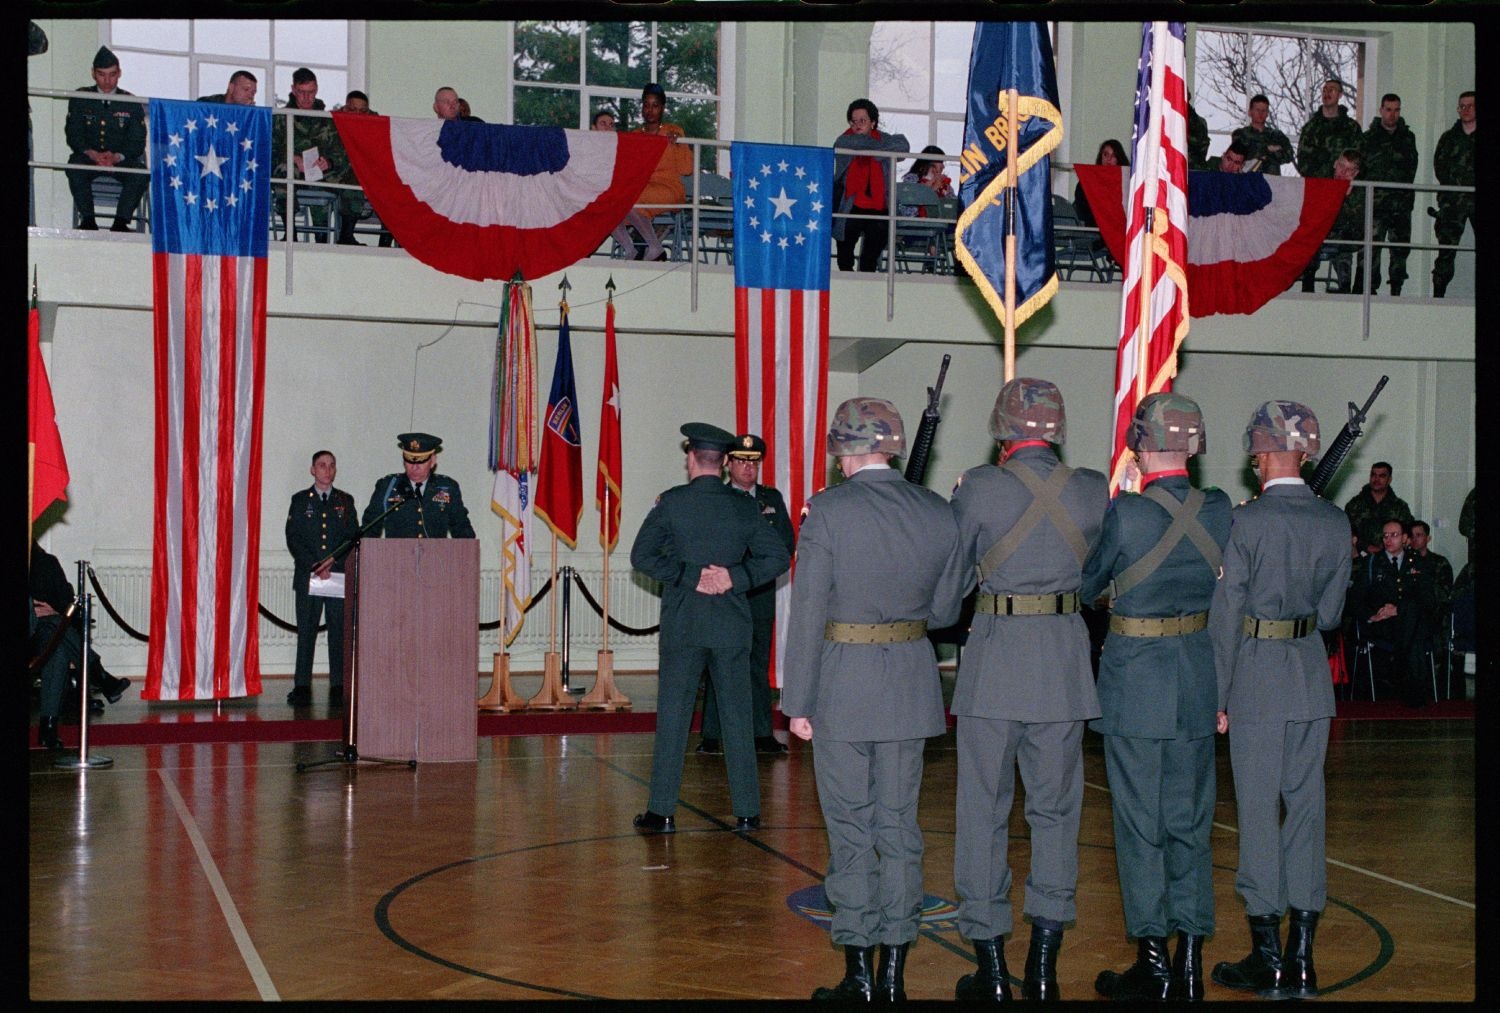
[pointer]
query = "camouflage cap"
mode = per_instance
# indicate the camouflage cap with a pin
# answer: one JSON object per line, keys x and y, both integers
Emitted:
{"x": 1280, "y": 426}
{"x": 866, "y": 425}
{"x": 1167, "y": 422}
{"x": 1028, "y": 409}
{"x": 418, "y": 447}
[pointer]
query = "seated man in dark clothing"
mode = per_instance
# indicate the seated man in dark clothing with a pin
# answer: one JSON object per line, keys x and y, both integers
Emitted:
{"x": 51, "y": 596}
{"x": 1394, "y": 599}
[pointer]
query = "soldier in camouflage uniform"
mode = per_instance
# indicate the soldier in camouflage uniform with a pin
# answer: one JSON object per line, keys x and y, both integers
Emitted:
{"x": 1375, "y": 504}
{"x": 1390, "y": 156}
{"x": 1197, "y": 140}
{"x": 1267, "y": 149}
{"x": 1348, "y": 224}
{"x": 1285, "y": 570}
{"x": 862, "y": 685}
{"x": 1327, "y": 135}
{"x": 1026, "y": 683}
{"x": 104, "y": 133}
{"x": 1159, "y": 556}
{"x": 241, "y": 91}
{"x": 309, "y": 132}
{"x": 1453, "y": 164}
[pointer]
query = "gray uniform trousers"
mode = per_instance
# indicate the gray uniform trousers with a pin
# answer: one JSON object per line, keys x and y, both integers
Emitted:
{"x": 1281, "y": 863}
{"x": 677, "y": 691}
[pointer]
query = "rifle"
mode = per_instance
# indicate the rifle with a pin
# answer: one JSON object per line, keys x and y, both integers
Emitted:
{"x": 916, "y": 462}
{"x": 1333, "y": 457}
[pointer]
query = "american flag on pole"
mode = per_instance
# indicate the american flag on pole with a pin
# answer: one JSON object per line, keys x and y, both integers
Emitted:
{"x": 782, "y": 219}
{"x": 513, "y": 451}
{"x": 1155, "y": 287}
{"x": 210, "y": 215}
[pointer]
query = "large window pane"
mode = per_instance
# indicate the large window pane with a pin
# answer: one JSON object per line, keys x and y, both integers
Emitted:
{"x": 333, "y": 84}
{"x": 688, "y": 55}
{"x": 619, "y": 54}
{"x": 312, "y": 42}
{"x": 697, "y": 118}
{"x": 546, "y": 107}
{"x": 140, "y": 33}
{"x": 950, "y": 66}
{"x": 901, "y": 64}
{"x": 213, "y": 79}
{"x": 913, "y": 125}
{"x": 156, "y": 74}
{"x": 547, "y": 51}
{"x": 251, "y": 39}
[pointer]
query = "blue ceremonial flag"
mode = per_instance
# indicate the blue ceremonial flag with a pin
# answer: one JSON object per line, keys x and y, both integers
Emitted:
{"x": 1008, "y": 55}
{"x": 783, "y": 215}
{"x": 210, "y": 178}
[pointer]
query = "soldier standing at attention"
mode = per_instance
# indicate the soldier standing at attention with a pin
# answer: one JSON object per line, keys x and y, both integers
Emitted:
{"x": 708, "y": 546}
{"x": 744, "y": 472}
{"x": 862, "y": 677}
{"x": 427, "y": 505}
{"x": 1025, "y": 685}
{"x": 1160, "y": 553}
{"x": 1390, "y": 156}
{"x": 1286, "y": 568}
{"x": 104, "y": 133}
{"x": 1328, "y": 134}
{"x": 319, "y": 522}
{"x": 1267, "y": 149}
{"x": 1453, "y": 164}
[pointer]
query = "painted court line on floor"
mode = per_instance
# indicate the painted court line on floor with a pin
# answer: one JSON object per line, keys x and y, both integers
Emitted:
{"x": 237, "y": 928}
{"x": 1343, "y": 865}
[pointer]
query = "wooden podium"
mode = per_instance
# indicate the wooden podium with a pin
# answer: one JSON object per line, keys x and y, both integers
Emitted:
{"x": 414, "y": 606}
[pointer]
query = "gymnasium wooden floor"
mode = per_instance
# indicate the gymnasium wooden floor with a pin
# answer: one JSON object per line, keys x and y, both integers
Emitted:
{"x": 218, "y": 872}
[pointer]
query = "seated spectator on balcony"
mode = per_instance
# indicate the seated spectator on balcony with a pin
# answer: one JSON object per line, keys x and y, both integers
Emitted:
{"x": 1111, "y": 152}
{"x": 109, "y": 134}
{"x": 310, "y": 133}
{"x": 353, "y": 208}
{"x": 665, "y": 185}
{"x": 1350, "y": 224}
{"x": 445, "y": 103}
{"x": 241, "y": 91}
{"x": 464, "y": 113}
{"x": 860, "y": 186}
{"x": 928, "y": 172}
{"x": 603, "y": 120}
{"x": 1233, "y": 158}
{"x": 1267, "y": 149}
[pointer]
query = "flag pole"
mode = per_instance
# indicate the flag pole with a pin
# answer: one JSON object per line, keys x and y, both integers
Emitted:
{"x": 1148, "y": 205}
{"x": 552, "y": 696}
{"x": 1012, "y": 192}
{"x": 604, "y": 594}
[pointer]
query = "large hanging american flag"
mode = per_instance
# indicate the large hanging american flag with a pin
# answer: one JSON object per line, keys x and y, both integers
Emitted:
{"x": 1155, "y": 288}
{"x": 210, "y": 215}
{"x": 782, "y": 219}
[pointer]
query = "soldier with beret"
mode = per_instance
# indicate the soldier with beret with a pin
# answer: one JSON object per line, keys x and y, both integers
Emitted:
{"x": 862, "y": 684}
{"x": 1286, "y": 567}
{"x": 110, "y": 134}
{"x": 423, "y": 504}
{"x": 744, "y": 474}
{"x": 1025, "y": 684}
{"x": 708, "y": 546}
{"x": 1159, "y": 557}
{"x": 320, "y": 523}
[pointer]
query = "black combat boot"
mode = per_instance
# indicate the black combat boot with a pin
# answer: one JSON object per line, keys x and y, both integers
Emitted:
{"x": 991, "y": 983}
{"x": 1040, "y": 980}
{"x": 1148, "y": 979}
{"x": 46, "y": 734}
{"x": 1187, "y": 969}
{"x": 1260, "y": 971}
{"x": 857, "y": 985}
{"x": 1298, "y": 979}
{"x": 890, "y": 979}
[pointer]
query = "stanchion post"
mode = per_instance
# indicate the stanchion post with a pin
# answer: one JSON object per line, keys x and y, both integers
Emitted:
{"x": 83, "y": 761}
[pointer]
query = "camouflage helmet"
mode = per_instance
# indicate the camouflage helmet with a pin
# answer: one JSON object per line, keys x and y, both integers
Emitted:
{"x": 1280, "y": 426}
{"x": 866, "y": 425}
{"x": 1167, "y": 422}
{"x": 1028, "y": 409}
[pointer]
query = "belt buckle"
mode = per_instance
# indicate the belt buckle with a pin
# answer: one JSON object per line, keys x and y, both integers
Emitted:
{"x": 1010, "y": 604}
{"x": 1058, "y": 602}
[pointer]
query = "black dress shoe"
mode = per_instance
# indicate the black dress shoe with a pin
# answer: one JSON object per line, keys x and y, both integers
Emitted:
{"x": 46, "y": 735}
{"x": 300, "y": 696}
{"x": 88, "y": 225}
{"x": 742, "y": 823}
{"x": 709, "y": 746}
{"x": 96, "y": 706}
{"x": 769, "y": 744}
{"x": 335, "y": 696}
{"x": 120, "y": 226}
{"x": 655, "y": 822}
{"x": 117, "y": 688}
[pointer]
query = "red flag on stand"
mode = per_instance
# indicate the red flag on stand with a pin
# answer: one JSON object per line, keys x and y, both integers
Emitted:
{"x": 610, "y": 461}
{"x": 49, "y": 468}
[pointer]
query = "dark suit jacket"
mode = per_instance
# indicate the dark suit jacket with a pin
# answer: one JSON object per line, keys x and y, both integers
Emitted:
{"x": 315, "y": 529}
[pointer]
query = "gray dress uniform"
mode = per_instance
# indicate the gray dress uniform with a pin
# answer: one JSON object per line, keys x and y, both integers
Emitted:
{"x": 1025, "y": 688}
{"x": 871, "y": 551}
{"x": 1287, "y": 560}
{"x": 1158, "y": 696}
{"x": 692, "y": 526}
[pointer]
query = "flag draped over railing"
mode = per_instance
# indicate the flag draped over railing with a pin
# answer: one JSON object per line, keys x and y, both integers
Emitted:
{"x": 210, "y": 215}
{"x": 559, "y": 493}
{"x": 513, "y": 450}
{"x": 783, "y": 214}
{"x": 48, "y": 467}
{"x": 1154, "y": 298}
{"x": 611, "y": 463}
{"x": 1006, "y": 55}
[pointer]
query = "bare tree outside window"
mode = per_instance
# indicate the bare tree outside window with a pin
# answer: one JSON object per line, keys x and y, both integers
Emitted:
{"x": 1232, "y": 64}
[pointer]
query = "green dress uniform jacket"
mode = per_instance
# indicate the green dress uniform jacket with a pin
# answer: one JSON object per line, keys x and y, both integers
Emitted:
{"x": 1158, "y": 696}
{"x": 692, "y": 526}
{"x": 440, "y": 513}
{"x": 1287, "y": 558}
{"x": 103, "y": 125}
{"x": 314, "y": 530}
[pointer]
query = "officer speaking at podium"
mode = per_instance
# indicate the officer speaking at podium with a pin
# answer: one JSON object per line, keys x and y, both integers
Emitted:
{"x": 422, "y": 503}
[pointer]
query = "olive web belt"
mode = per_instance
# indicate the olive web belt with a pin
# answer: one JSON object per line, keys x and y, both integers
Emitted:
{"x": 876, "y": 633}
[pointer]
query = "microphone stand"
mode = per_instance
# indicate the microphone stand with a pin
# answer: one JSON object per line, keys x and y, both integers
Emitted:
{"x": 348, "y": 754}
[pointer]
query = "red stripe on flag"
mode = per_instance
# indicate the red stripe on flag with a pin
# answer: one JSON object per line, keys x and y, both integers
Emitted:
{"x": 769, "y": 393}
{"x": 260, "y": 269}
{"x": 796, "y": 437}
{"x": 741, "y": 358}
{"x": 192, "y": 387}
{"x": 159, "y": 563}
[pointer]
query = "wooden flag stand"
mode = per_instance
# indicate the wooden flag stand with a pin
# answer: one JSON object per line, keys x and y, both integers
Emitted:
{"x": 604, "y": 695}
{"x": 552, "y": 696}
{"x": 501, "y": 697}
